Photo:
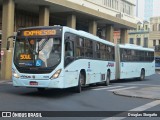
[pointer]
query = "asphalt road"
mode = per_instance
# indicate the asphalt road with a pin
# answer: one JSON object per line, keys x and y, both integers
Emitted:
{"x": 95, "y": 98}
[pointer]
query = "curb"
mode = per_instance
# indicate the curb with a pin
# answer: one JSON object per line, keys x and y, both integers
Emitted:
{"x": 145, "y": 93}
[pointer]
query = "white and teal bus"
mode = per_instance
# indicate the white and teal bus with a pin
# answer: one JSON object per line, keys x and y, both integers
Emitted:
{"x": 134, "y": 61}
{"x": 61, "y": 57}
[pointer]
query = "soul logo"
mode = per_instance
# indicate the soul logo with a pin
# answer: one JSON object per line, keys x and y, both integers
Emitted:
{"x": 25, "y": 57}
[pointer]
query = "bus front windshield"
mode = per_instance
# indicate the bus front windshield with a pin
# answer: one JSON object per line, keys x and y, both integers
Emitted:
{"x": 44, "y": 52}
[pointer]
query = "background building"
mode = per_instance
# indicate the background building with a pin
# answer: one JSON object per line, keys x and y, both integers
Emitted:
{"x": 140, "y": 36}
{"x": 99, "y": 17}
{"x": 155, "y": 35}
{"x": 147, "y": 34}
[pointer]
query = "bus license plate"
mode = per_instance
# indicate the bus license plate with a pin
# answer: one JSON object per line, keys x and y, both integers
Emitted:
{"x": 33, "y": 83}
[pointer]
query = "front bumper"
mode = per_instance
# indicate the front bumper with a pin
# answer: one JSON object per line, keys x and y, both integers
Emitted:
{"x": 48, "y": 83}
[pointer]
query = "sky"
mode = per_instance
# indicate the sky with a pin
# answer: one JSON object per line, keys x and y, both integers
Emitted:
{"x": 140, "y": 8}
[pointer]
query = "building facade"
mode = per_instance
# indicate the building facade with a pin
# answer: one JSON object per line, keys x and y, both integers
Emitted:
{"x": 147, "y": 34}
{"x": 140, "y": 36}
{"x": 154, "y": 35}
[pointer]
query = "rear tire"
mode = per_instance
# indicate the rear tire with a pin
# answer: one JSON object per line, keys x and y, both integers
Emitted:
{"x": 142, "y": 75}
{"x": 107, "y": 82}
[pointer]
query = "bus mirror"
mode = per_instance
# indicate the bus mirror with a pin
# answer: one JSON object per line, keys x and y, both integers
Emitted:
{"x": 8, "y": 42}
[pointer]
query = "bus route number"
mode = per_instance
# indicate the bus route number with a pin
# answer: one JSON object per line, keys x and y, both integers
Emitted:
{"x": 25, "y": 57}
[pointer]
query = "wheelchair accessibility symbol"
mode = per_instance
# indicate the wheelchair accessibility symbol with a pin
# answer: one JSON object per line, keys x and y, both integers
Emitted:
{"x": 38, "y": 63}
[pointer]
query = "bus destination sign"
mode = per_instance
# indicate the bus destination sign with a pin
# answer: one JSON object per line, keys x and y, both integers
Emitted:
{"x": 28, "y": 33}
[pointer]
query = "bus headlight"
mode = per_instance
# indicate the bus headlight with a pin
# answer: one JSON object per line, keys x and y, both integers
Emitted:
{"x": 56, "y": 74}
{"x": 14, "y": 74}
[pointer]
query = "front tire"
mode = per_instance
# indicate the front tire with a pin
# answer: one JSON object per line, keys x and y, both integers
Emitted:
{"x": 81, "y": 82}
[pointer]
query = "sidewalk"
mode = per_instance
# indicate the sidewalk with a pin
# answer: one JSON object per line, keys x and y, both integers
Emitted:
{"x": 146, "y": 92}
{"x": 5, "y": 81}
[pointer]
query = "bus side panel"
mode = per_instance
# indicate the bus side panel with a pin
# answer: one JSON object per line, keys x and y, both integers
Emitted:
{"x": 72, "y": 71}
{"x": 100, "y": 69}
{"x": 95, "y": 71}
{"x": 127, "y": 70}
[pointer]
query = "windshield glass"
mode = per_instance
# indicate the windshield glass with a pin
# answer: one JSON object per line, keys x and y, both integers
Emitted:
{"x": 44, "y": 52}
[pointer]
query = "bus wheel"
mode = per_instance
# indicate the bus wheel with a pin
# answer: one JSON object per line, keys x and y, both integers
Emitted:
{"x": 41, "y": 89}
{"x": 142, "y": 76}
{"x": 81, "y": 82}
{"x": 107, "y": 82}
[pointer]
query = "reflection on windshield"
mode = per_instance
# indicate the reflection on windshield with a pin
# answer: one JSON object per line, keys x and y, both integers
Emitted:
{"x": 37, "y": 52}
{"x": 45, "y": 52}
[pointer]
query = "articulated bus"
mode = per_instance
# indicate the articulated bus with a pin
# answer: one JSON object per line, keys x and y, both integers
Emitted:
{"x": 61, "y": 57}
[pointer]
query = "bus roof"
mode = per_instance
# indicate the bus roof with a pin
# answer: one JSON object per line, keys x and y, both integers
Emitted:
{"x": 134, "y": 47}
